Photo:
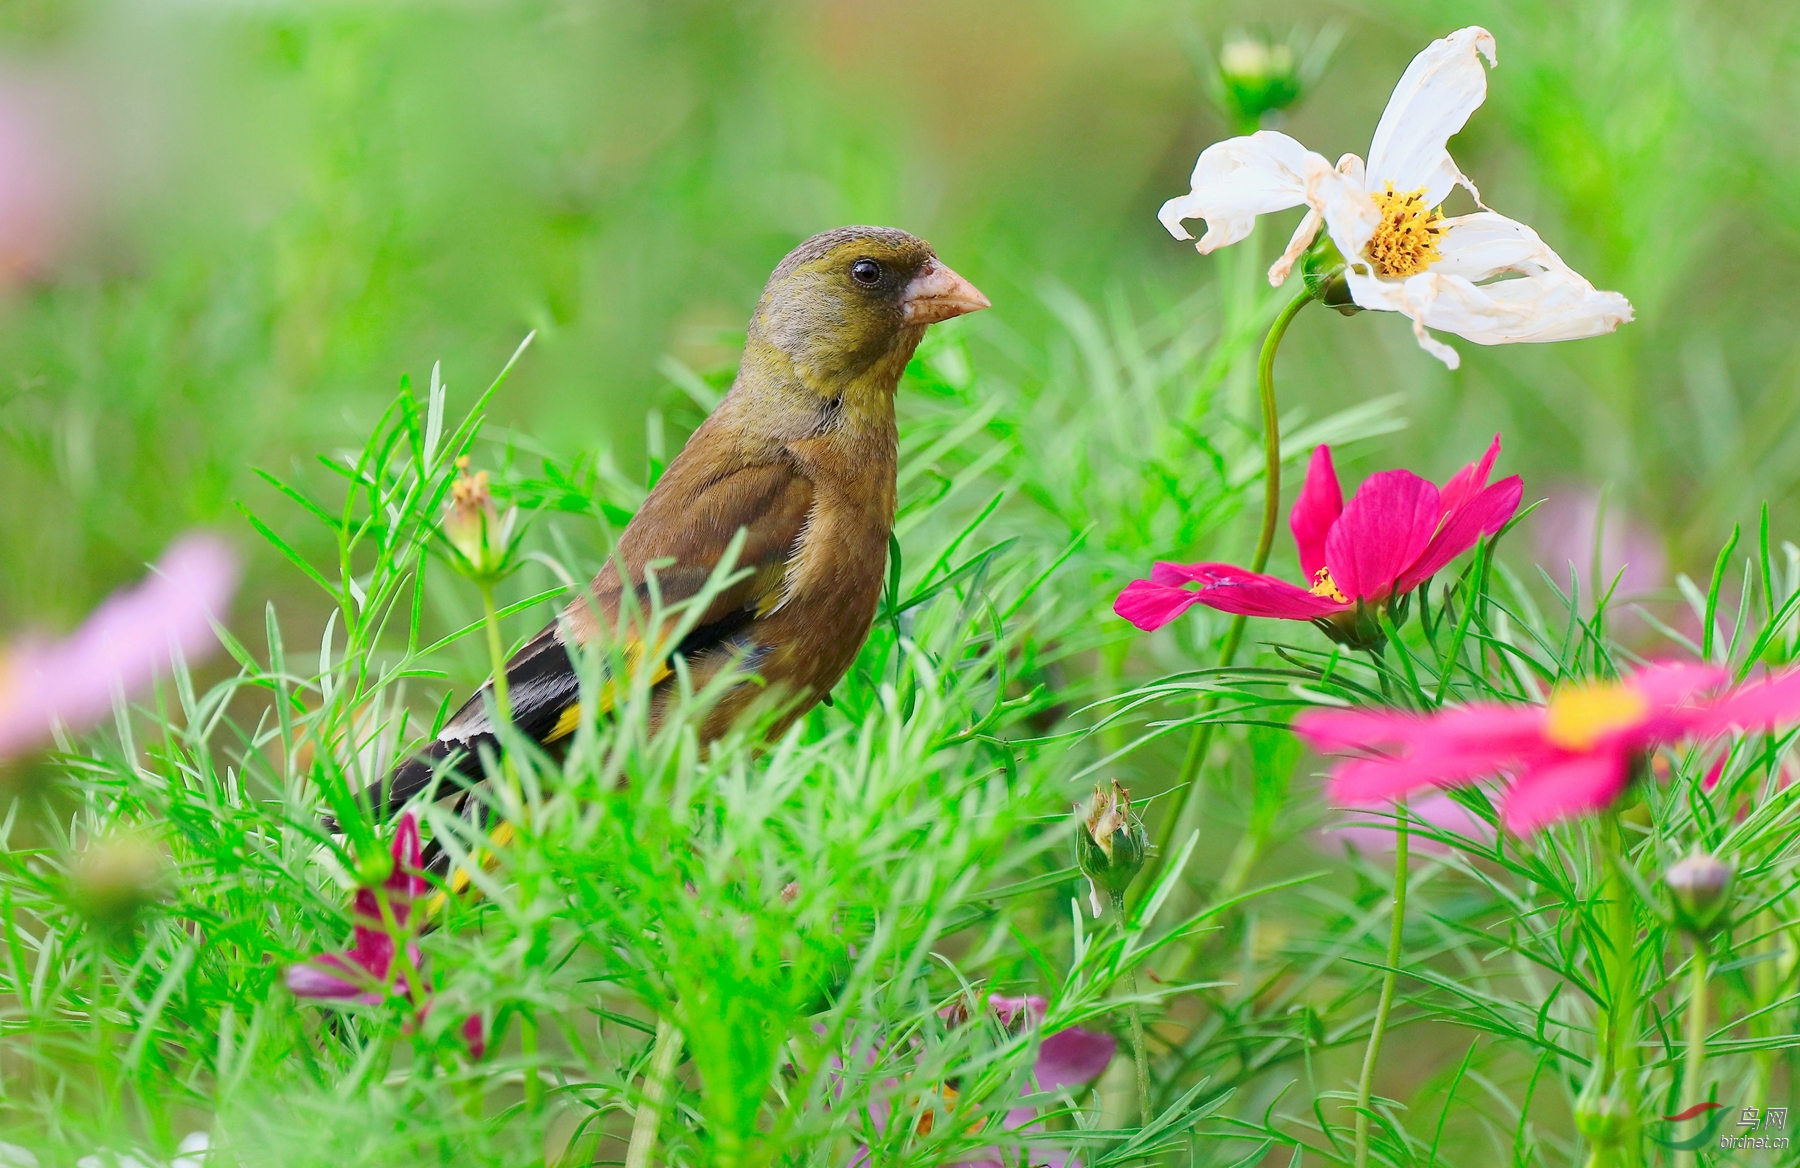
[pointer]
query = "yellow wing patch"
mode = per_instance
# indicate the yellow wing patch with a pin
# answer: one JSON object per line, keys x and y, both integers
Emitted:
{"x": 500, "y": 837}
{"x": 570, "y": 718}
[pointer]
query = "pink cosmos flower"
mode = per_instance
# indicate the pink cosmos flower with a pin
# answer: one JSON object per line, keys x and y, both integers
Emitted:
{"x": 1395, "y": 533}
{"x": 1066, "y": 1059}
{"x": 369, "y": 972}
{"x": 1570, "y": 756}
{"x": 365, "y": 972}
{"x": 119, "y": 649}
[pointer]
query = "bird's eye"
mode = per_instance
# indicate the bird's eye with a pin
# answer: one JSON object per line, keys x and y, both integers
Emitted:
{"x": 866, "y": 272}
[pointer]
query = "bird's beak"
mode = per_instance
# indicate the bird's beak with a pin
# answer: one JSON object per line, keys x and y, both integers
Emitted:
{"x": 937, "y": 293}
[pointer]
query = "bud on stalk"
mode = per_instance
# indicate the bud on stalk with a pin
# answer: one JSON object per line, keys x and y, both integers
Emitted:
{"x": 1700, "y": 889}
{"x": 1110, "y": 843}
{"x": 1259, "y": 77}
{"x": 116, "y": 875}
{"x": 474, "y": 528}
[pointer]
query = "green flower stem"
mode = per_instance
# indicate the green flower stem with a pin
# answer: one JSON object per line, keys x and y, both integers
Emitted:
{"x": 1764, "y": 987}
{"x": 528, "y": 1050}
{"x": 496, "y": 651}
{"x": 1696, "y": 1030}
{"x": 1619, "y": 1021}
{"x": 1174, "y": 821}
{"x": 664, "y": 1054}
{"x": 1372, "y": 1056}
{"x": 1140, "y": 1052}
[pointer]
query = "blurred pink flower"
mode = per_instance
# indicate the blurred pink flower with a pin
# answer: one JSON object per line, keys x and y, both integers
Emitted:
{"x": 1066, "y": 1059}
{"x": 119, "y": 649}
{"x": 1566, "y": 527}
{"x": 1370, "y": 830}
{"x": 39, "y": 188}
{"x": 1570, "y": 756}
{"x": 1397, "y": 531}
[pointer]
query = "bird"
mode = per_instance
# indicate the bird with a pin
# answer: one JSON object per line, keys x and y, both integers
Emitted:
{"x": 799, "y": 461}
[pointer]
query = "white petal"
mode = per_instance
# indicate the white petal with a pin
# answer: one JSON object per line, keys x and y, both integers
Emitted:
{"x": 1302, "y": 239}
{"x": 1437, "y": 93}
{"x": 1350, "y": 214}
{"x": 1553, "y": 306}
{"x": 1404, "y": 296}
{"x": 1355, "y": 216}
{"x": 1483, "y": 245}
{"x": 1235, "y": 181}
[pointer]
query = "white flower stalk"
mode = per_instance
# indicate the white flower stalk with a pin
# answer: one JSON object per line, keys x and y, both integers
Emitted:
{"x": 1482, "y": 276}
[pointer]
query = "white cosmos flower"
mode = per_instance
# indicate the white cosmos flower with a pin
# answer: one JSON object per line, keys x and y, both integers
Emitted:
{"x": 1481, "y": 276}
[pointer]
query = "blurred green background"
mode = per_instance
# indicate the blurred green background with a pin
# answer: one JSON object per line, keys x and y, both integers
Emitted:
{"x": 227, "y": 228}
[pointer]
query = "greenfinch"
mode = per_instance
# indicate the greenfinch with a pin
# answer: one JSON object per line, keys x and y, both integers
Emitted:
{"x": 800, "y": 458}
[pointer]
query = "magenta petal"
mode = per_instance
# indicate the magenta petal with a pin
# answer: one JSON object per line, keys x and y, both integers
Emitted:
{"x": 1503, "y": 731}
{"x": 1758, "y": 706}
{"x": 371, "y": 945}
{"x": 1150, "y": 606}
{"x": 1485, "y": 514}
{"x": 1243, "y": 593}
{"x": 1320, "y": 503}
{"x": 1368, "y": 780}
{"x": 474, "y": 1033}
{"x": 1468, "y": 482}
{"x": 1025, "y": 1009}
{"x": 1333, "y": 731}
{"x": 319, "y": 978}
{"x": 405, "y": 881}
{"x": 1571, "y": 785}
{"x": 1667, "y": 685}
{"x": 1385, "y": 528}
{"x": 1172, "y": 575}
{"x": 1072, "y": 1057}
{"x": 309, "y": 980}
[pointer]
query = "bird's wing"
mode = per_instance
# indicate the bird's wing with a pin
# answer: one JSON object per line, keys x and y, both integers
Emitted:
{"x": 681, "y": 535}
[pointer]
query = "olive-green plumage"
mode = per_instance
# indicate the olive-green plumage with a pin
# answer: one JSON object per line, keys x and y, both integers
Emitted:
{"x": 800, "y": 456}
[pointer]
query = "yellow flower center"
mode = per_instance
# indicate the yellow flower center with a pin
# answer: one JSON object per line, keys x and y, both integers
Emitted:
{"x": 1324, "y": 585}
{"x": 1405, "y": 242}
{"x": 1580, "y": 715}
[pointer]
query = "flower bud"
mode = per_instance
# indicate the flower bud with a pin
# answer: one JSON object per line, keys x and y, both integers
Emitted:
{"x": 474, "y": 528}
{"x": 1258, "y": 78}
{"x": 115, "y": 876}
{"x": 1322, "y": 266}
{"x": 1110, "y": 843}
{"x": 1700, "y": 889}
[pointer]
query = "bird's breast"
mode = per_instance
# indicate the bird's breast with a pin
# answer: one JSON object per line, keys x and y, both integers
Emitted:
{"x": 838, "y": 565}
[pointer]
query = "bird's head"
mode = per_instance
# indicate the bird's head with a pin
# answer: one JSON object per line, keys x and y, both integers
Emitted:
{"x": 847, "y": 307}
